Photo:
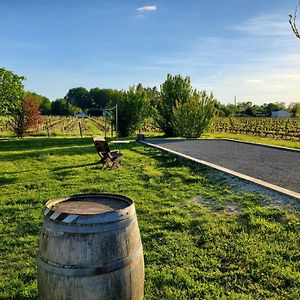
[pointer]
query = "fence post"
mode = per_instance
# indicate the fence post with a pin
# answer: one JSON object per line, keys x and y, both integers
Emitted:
{"x": 80, "y": 130}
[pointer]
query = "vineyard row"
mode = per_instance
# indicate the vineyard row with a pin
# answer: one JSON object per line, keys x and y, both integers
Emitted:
{"x": 278, "y": 128}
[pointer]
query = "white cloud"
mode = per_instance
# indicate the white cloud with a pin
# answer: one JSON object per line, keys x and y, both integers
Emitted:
{"x": 265, "y": 25}
{"x": 143, "y": 9}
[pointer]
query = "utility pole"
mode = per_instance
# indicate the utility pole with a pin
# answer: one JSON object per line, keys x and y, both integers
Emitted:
{"x": 234, "y": 100}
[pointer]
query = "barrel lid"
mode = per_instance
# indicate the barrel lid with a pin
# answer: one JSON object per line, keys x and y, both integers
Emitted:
{"x": 88, "y": 205}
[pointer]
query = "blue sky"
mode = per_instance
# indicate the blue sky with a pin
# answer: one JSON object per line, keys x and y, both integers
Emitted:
{"x": 241, "y": 48}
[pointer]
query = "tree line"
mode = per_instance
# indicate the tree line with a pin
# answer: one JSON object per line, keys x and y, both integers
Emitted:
{"x": 177, "y": 108}
{"x": 248, "y": 109}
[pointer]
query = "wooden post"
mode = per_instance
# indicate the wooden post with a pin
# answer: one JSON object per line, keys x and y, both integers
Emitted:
{"x": 47, "y": 126}
{"x": 80, "y": 130}
{"x": 105, "y": 127}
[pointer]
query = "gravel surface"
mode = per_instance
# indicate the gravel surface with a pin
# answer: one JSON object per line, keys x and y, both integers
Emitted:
{"x": 277, "y": 166}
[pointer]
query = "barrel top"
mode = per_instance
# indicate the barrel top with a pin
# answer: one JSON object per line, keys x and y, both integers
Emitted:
{"x": 89, "y": 204}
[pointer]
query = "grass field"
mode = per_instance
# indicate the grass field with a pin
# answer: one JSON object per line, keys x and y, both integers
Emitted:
{"x": 255, "y": 139}
{"x": 203, "y": 236}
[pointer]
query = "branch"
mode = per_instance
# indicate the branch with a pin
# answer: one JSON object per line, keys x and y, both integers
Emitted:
{"x": 292, "y": 22}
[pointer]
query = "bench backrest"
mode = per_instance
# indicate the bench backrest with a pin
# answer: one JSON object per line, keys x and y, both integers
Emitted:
{"x": 101, "y": 146}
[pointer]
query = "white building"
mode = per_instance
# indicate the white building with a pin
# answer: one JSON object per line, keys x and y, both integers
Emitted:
{"x": 281, "y": 114}
{"x": 82, "y": 115}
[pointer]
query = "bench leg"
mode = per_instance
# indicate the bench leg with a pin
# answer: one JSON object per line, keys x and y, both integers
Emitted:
{"x": 106, "y": 164}
{"x": 116, "y": 163}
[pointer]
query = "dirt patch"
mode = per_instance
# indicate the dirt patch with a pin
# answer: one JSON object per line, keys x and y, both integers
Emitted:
{"x": 215, "y": 206}
{"x": 267, "y": 197}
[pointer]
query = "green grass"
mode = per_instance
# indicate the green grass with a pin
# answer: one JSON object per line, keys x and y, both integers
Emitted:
{"x": 194, "y": 248}
{"x": 255, "y": 139}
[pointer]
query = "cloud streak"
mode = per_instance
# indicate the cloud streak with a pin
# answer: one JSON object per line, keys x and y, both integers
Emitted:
{"x": 144, "y": 9}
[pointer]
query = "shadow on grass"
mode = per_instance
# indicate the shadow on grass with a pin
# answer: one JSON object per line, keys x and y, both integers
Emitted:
{"x": 29, "y": 144}
{"x": 75, "y": 166}
{"x": 39, "y": 148}
{"x": 4, "y": 181}
{"x": 170, "y": 163}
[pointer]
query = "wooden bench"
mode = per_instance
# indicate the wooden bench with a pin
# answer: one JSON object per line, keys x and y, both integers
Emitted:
{"x": 108, "y": 159}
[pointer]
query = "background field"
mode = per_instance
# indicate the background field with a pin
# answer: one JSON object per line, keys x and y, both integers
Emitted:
{"x": 204, "y": 236}
{"x": 272, "y": 128}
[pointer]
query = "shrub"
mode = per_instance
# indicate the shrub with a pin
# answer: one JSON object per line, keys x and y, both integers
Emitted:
{"x": 193, "y": 117}
{"x": 175, "y": 90}
{"x": 133, "y": 108}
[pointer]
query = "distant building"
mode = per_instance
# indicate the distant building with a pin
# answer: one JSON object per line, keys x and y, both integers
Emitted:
{"x": 280, "y": 114}
{"x": 81, "y": 115}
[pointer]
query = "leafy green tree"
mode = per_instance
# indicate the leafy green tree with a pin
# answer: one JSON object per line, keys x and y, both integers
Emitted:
{"x": 174, "y": 91}
{"x": 267, "y": 108}
{"x": 79, "y": 97}
{"x": 11, "y": 91}
{"x": 194, "y": 116}
{"x": 295, "y": 110}
{"x": 133, "y": 108}
{"x": 98, "y": 98}
{"x": 228, "y": 110}
{"x": 61, "y": 107}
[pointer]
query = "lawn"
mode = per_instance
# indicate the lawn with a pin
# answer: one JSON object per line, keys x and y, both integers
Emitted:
{"x": 203, "y": 236}
{"x": 255, "y": 139}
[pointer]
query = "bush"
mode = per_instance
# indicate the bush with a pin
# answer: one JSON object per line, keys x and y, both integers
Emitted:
{"x": 174, "y": 91}
{"x": 193, "y": 117}
{"x": 133, "y": 108}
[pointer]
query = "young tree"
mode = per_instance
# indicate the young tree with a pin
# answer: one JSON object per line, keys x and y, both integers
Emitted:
{"x": 44, "y": 102}
{"x": 27, "y": 116}
{"x": 194, "y": 116}
{"x": 11, "y": 91}
{"x": 173, "y": 92}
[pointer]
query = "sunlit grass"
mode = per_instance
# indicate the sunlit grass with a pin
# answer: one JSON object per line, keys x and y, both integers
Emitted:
{"x": 194, "y": 247}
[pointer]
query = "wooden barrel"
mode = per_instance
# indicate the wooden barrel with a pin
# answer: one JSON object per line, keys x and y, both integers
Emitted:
{"x": 90, "y": 248}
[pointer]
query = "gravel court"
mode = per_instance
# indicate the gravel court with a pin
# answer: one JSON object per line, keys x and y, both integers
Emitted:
{"x": 277, "y": 166}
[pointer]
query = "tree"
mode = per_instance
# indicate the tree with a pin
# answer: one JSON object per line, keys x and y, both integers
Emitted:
{"x": 27, "y": 116}
{"x": 293, "y": 24}
{"x": 267, "y": 108}
{"x": 228, "y": 110}
{"x": 11, "y": 91}
{"x": 44, "y": 102}
{"x": 193, "y": 117}
{"x": 79, "y": 97}
{"x": 173, "y": 92}
{"x": 295, "y": 109}
{"x": 61, "y": 107}
{"x": 133, "y": 108}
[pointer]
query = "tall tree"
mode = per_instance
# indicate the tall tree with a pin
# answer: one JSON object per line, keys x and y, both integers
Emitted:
{"x": 79, "y": 97}
{"x": 133, "y": 108}
{"x": 99, "y": 98}
{"x": 11, "y": 91}
{"x": 174, "y": 91}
